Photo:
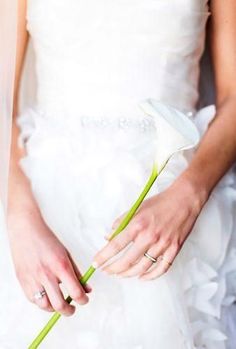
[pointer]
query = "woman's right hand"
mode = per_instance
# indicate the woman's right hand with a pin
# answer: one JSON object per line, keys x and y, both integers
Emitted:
{"x": 42, "y": 262}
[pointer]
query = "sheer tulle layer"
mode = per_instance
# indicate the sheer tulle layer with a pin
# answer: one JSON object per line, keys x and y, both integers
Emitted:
{"x": 84, "y": 177}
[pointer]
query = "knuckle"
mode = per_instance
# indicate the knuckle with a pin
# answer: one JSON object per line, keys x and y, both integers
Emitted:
{"x": 140, "y": 223}
{"x": 176, "y": 245}
{"x": 165, "y": 241}
{"x": 63, "y": 263}
{"x": 41, "y": 270}
{"x": 131, "y": 234}
{"x": 151, "y": 236}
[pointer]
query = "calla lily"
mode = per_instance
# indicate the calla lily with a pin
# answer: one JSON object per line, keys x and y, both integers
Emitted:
{"x": 175, "y": 132}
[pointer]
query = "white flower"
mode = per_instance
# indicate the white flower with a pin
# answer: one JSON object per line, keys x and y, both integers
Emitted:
{"x": 175, "y": 131}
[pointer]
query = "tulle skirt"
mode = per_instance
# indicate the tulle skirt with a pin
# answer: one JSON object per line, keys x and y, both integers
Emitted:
{"x": 85, "y": 172}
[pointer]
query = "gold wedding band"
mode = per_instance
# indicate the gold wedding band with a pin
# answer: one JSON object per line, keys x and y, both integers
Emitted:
{"x": 154, "y": 260}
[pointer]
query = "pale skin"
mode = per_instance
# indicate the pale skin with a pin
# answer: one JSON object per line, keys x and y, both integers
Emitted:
{"x": 162, "y": 223}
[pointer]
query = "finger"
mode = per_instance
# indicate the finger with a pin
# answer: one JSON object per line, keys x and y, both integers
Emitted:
{"x": 113, "y": 247}
{"x": 118, "y": 220}
{"x": 43, "y": 302}
{"x": 115, "y": 225}
{"x": 163, "y": 265}
{"x": 87, "y": 287}
{"x": 144, "y": 262}
{"x": 130, "y": 257}
{"x": 74, "y": 288}
{"x": 56, "y": 297}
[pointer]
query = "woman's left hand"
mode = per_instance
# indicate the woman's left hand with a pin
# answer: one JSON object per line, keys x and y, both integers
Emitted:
{"x": 159, "y": 227}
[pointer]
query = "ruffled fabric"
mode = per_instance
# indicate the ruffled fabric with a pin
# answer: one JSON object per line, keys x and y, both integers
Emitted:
{"x": 85, "y": 177}
{"x": 208, "y": 259}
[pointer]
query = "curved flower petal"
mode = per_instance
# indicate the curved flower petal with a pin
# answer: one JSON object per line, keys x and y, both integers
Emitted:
{"x": 175, "y": 131}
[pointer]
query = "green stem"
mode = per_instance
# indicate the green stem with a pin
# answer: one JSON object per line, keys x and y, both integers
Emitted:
{"x": 91, "y": 269}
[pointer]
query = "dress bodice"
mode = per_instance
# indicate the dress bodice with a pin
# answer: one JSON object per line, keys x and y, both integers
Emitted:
{"x": 103, "y": 57}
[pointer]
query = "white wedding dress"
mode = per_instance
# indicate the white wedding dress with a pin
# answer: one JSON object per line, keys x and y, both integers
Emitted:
{"x": 89, "y": 153}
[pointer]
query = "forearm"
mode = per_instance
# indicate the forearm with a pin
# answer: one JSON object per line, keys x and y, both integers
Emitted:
{"x": 19, "y": 190}
{"x": 216, "y": 152}
{"x": 20, "y": 197}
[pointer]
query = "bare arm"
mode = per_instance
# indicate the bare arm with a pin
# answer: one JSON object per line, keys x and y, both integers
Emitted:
{"x": 36, "y": 270}
{"x": 22, "y": 41}
{"x": 217, "y": 150}
{"x": 18, "y": 184}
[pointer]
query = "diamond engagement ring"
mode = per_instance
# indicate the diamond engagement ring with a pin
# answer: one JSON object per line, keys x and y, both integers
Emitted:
{"x": 39, "y": 294}
{"x": 154, "y": 260}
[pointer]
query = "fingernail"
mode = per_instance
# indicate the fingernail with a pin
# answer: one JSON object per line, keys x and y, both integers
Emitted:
{"x": 95, "y": 264}
{"x": 108, "y": 236}
{"x": 88, "y": 287}
{"x": 105, "y": 270}
{"x": 113, "y": 225}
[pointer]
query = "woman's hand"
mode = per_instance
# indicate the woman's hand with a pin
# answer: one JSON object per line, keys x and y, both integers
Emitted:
{"x": 42, "y": 262}
{"x": 159, "y": 227}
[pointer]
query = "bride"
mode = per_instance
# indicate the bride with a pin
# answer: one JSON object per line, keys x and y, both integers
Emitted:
{"x": 82, "y": 152}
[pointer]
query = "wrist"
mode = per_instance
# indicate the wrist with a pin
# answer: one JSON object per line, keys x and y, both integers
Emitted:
{"x": 26, "y": 214}
{"x": 194, "y": 189}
